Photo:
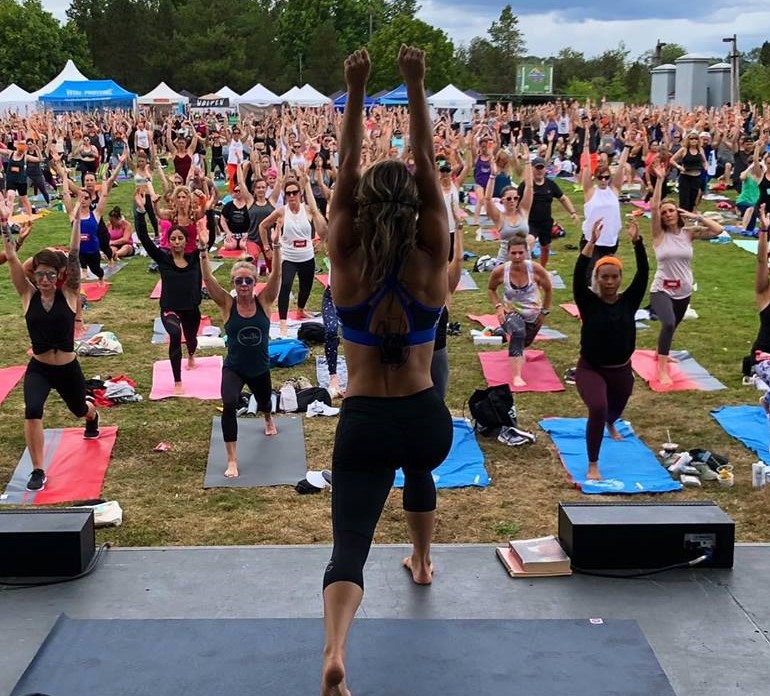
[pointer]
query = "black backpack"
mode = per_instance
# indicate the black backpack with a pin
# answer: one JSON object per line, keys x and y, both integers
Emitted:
{"x": 305, "y": 397}
{"x": 492, "y": 409}
{"x": 311, "y": 332}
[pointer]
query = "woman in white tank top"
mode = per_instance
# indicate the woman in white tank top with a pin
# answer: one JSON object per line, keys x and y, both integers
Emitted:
{"x": 672, "y": 284}
{"x": 295, "y": 223}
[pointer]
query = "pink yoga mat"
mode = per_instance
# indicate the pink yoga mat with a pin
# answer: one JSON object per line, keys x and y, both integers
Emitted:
{"x": 293, "y": 315}
{"x": 538, "y": 373}
{"x": 9, "y": 378}
{"x": 645, "y": 364}
{"x": 155, "y": 294}
{"x": 231, "y": 253}
{"x": 571, "y": 309}
{"x": 204, "y": 382}
{"x": 323, "y": 278}
{"x": 641, "y": 204}
{"x": 93, "y": 291}
{"x": 491, "y": 320}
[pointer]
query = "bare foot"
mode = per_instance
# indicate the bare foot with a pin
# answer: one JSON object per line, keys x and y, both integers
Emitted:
{"x": 178, "y": 389}
{"x": 422, "y": 575}
{"x": 190, "y": 362}
{"x": 284, "y": 330}
{"x": 664, "y": 378}
{"x": 270, "y": 428}
{"x": 333, "y": 678}
{"x": 593, "y": 472}
{"x": 302, "y": 314}
{"x": 232, "y": 470}
{"x": 613, "y": 431}
{"x": 519, "y": 382}
{"x": 672, "y": 359}
{"x": 101, "y": 282}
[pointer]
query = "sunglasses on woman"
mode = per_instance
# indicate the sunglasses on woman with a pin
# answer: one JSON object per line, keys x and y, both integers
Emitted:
{"x": 293, "y": 192}
{"x": 511, "y": 198}
{"x": 48, "y": 275}
{"x": 603, "y": 177}
{"x": 243, "y": 280}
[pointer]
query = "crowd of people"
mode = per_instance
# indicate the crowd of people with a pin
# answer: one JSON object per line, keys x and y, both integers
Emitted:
{"x": 386, "y": 195}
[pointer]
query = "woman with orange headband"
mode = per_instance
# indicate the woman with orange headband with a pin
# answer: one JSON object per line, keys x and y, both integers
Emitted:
{"x": 607, "y": 337}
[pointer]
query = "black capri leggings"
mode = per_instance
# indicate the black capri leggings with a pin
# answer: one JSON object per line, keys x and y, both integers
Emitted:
{"x": 375, "y": 436}
{"x": 689, "y": 186}
{"x": 305, "y": 271}
{"x": 331, "y": 336}
{"x": 605, "y": 390}
{"x": 670, "y": 313}
{"x": 93, "y": 262}
{"x": 177, "y": 323}
{"x": 67, "y": 379}
{"x": 232, "y": 383}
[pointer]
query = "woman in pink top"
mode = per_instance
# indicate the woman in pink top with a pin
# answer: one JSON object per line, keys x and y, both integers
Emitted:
{"x": 672, "y": 285}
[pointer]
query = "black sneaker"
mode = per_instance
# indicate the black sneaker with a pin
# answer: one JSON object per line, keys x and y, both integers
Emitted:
{"x": 569, "y": 375}
{"x": 92, "y": 428}
{"x": 37, "y": 480}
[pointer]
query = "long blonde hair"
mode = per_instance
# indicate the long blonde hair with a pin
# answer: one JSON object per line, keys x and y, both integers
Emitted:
{"x": 386, "y": 223}
{"x": 190, "y": 212}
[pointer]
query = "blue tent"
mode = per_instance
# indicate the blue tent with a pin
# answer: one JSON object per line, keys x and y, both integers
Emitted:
{"x": 396, "y": 97}
{"x": 88, "y": 95}
{"x": 342, "y": 99}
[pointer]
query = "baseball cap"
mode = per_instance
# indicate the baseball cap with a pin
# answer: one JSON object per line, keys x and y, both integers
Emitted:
{"x": 538, "y": 162}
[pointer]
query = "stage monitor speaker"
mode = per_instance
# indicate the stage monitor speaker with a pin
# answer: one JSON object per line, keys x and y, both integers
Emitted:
{"x": 46, "y": 543}
{"x": 645, "y": 535}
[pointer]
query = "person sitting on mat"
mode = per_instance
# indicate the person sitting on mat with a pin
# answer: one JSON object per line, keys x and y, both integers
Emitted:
{"x": 388, "y": 242}
{"x": 180, "y": 295}
{"x": 607, "y": 338}
{"x": 50, "y": 315}
{"x": 247, "y": 325}
{"x": 672, "y": 283}
{"x": 527, "y": 297}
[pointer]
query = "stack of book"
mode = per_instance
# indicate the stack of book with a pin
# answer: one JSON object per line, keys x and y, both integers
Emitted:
{"x": 534, "y": 558}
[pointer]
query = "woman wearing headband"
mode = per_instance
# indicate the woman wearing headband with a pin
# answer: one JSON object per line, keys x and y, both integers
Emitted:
{"x": 607, "y": 337}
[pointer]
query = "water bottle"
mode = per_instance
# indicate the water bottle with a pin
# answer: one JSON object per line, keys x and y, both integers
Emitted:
{"x": 759, "y": 474}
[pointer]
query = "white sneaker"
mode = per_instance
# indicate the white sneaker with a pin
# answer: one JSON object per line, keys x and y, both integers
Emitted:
{"x": 319, "y": 408}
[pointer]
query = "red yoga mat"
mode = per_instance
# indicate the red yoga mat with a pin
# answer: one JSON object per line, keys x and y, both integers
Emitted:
{"x": 571, "y": 308}
{"x": 538, "y": 373}
{"x": 9, "y": 378}
{"x": 323, "y": 278}
{"x": 645, "y": 364}
{"x": 93, "y": 291}
{"x": 231, "y": 253}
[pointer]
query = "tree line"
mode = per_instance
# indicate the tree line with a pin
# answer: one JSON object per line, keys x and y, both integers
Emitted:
{"x": 201, "y": 45}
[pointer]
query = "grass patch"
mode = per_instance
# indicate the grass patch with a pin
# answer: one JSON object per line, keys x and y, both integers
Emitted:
{"x": 162, "y": 494}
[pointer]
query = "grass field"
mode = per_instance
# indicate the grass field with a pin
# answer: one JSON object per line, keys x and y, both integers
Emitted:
{"x": 162, "y": 495}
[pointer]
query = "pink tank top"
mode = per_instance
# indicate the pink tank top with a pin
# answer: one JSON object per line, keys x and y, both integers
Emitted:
{"x": 191, "y": 230}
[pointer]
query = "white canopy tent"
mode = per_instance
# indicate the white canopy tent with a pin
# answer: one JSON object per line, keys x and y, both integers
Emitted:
{"x": 289, "y": 95}
{"x": 305, "y": 96}
{"x": 258, "y": 95}
{"x": 228, "y": 93}
{"x": 15, "y": 99}
{"x": 162, "y": 95}
{"x": 451, "y": 98}
{"x": 69, "y": 73}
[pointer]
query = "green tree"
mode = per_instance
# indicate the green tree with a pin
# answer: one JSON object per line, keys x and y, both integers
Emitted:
{"x": 324, "y": 60}
{"x": 755, "y": 83}
{"x": 508, "y": 41}
{"x": 569, "y": 65}
{"x": 479, "y": 61}
{"x": 385, "y": 44}
{"x": 764, "y": 54}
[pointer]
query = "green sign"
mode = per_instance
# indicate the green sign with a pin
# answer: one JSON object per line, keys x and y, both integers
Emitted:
{"x": 232, "y": 119}
{"x": 534, "y": 78}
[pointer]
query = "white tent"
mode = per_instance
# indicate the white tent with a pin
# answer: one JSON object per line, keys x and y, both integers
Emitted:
{"x": 258, "y": 96}
{"x": 14, "y": 98}
{"x": 290, "y": 95}
{"x": 305, "y": 96}
{"x": 163, "y": 95}
{"x": 69, "y": 73}
{"x": 227, "y": 93}
{"x": 451, "y": 98}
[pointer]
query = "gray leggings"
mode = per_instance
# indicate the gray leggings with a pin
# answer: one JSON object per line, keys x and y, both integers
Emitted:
{"x": 520, "y": 333}
{"x": 670, "y": 313}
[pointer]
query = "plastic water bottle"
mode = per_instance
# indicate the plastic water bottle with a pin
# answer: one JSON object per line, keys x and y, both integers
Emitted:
{"x": 759, "y": 474}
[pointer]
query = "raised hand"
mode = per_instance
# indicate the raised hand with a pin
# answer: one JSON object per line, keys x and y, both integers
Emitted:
{"x": 411, "y": 63}
{"x": 764, "y": 217}
{"x": 357, "y": 66}
{"x": 633, "y": 231}
{"x": 596, "y": 231}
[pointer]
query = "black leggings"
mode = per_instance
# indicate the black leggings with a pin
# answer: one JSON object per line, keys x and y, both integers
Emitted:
{"x": 670, "y": 313}
{"x": 605, "y": 390}
{"x": 689, "y": 186}
{"x": 93, "y": 262}
{"x": 67, "y": 379}
{"x": 38, "y": 182}
{"x": 305, "y": 271}
{"x": 375, "y": 436}
{"x": 331, "y": 326}
{"x": 151, "y": 214}
{"x": 176, "y": 323}
{"x": 521, "y": 333}
{"x": 232, "y": 383}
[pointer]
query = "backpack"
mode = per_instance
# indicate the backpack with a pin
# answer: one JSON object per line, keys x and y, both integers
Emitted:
{"x": 305, "y": 397}
{"x": 311, "y": 332}
{"x": 492, "y": 409}
{"x": 557, "y": 231}
{"x": 286, "y": 352}
{"x": 485, "y": 264}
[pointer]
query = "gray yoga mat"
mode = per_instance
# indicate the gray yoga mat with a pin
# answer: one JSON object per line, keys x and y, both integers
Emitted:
{"x": 322, "y": 371}
{"x": 109, "y": 271}
{"x": 387, "y": 657}
{"x": 467, "y": 282}
{"x": 277, "y": 460}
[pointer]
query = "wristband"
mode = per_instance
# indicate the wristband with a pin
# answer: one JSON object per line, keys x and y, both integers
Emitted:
{"x": 498, "y": 305}
{"x": 545, "y": 312}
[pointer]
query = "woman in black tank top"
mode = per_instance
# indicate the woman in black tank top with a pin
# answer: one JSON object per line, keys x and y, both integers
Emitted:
{"x": 690, "y": 160}
{"x": 49, "y": 311}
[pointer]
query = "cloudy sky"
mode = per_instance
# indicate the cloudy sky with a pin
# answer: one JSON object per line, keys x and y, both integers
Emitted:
{"x": 593, "y": 26}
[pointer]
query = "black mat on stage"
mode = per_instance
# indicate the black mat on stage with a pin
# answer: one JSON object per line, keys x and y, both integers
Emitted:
{"x": 386, "y": 657}
{"x": 262, "y": 461}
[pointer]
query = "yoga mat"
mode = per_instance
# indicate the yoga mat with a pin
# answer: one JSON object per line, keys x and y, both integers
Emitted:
{"x": 537, "y": 372}
{"x": 572, "y": 309}
{"x": 687, "y": 373}
{"x": 160, "y": 337}
{"x": 322, "y": 371}
{"x": 748, "y": 424}
{"x": 323, "y": 278}
{"x": 749, "y": 245}
{"x": 75, "y": 468}
{"x": 464, "y": 465}
{"x": 9, "y": 378}
{"x": 557, "y": 283}
{"x": 93, "y": 291}
{"x": 490, "y": 320}
{"x": 294, "y": 315}
{"x": 385, "y": 657}
{"x": 231, "y": 253}
{"x": 467, "y": 282}
{"x": 203, "y": 382}
{"x": 488, "y": 234}
{"x": 628, "y": 465}
{"x": 641, "y": 204}
{"x": 262, "y": 461}
{"x": 109, "y": 271}
{"x": 155, "y": 294}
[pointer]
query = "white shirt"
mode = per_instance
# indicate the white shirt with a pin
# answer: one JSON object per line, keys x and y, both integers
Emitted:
{"x": 297, "y": 237}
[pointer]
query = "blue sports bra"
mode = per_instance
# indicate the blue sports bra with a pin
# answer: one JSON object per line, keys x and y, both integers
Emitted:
{"x": 421, "y": 319}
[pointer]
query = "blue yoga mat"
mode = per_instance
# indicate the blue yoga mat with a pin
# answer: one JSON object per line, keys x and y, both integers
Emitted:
{"x": 628, "y": 465}
{"x": 747, "y": 424}
{"x": 464, "y": 466}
